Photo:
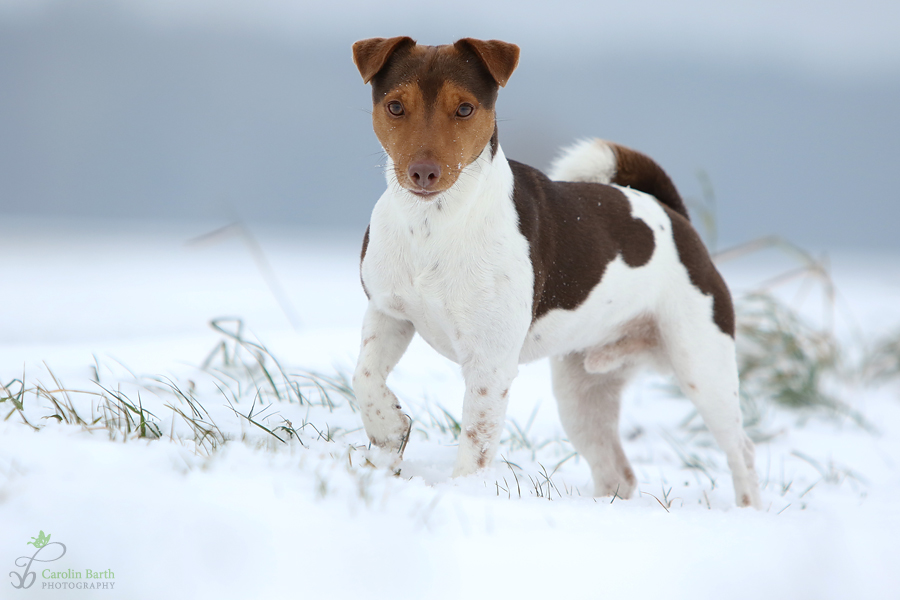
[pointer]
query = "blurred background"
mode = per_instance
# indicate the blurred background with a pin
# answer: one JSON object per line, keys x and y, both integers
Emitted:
{"x": 236, "y": 109}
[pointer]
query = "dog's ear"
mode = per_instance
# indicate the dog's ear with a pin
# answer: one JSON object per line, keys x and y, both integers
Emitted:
{"x": 371, "y": 54}
{"x": 500, "y": 58}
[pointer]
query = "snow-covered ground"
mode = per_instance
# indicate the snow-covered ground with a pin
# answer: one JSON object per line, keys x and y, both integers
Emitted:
{"x": 108, "y": 322}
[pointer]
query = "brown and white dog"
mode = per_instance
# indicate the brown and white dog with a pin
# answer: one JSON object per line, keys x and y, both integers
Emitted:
{"x": 495, "y": 264}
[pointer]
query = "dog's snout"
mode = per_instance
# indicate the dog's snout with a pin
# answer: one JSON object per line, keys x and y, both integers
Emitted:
{"x": 424, "y": 174}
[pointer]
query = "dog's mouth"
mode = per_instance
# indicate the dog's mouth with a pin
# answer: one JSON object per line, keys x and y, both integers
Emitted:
{"x": 424, "y": 194}
{"x": 430, "y": 193}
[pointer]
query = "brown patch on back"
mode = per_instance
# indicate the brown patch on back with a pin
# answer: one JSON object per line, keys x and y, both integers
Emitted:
{"x": 702, "y": 272}
{"x": 574, "y": 230}
{"x": 641, "y": 172}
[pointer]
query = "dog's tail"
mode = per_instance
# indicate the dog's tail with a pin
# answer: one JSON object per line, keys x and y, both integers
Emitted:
{"x": 599, "y": 161}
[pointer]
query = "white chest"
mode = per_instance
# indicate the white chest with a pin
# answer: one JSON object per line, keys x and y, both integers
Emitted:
{"x": 458, "y": 270}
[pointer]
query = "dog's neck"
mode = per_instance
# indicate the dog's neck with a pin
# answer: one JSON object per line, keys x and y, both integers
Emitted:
{"x": 484, "y": 183}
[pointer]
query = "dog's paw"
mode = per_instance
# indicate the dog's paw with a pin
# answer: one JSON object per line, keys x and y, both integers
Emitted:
{"x": 463, "y": 470}
{"x": 746, "y": 490}
{"x": 620, "y": 485}
{"x": 468, "y": 462}
{"x": 387, "y": 453}
{"x": 381, "y": 458}
{"x": 749, "y": 499}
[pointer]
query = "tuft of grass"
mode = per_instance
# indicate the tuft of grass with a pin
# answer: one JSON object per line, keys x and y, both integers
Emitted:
{"x": 240, "y": 362}
{"x": 787, "y": 363}
{"x": 830, "y": 472}
{"x": 520, "y": 437}
{"x": 882, "y": 362}
{"x": 780, "y": 357}
{"x": 437, "y": 420}
{"x": 244, "y": 372}
{"x": 692, "y": 460}
{"x": 16, "y": 397}
{"x": 128, "y": 417}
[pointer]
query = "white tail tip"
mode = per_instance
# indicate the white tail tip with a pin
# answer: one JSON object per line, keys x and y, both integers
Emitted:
{"x": 591, "y": 160}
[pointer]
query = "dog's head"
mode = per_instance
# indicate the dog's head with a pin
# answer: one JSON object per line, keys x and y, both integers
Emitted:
{"x": 433, "y": 105}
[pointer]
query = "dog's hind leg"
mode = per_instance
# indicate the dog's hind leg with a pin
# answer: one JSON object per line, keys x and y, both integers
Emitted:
{"x": 589, "y": 410}
{"x": 384, "y": 340}
{"x": 704, "y": 362}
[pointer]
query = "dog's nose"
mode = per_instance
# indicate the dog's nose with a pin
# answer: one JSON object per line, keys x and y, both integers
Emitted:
{"x": 424, "y": 174}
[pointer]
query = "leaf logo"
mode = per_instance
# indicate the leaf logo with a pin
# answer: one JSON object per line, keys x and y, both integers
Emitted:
{"x": 40, "y": 541}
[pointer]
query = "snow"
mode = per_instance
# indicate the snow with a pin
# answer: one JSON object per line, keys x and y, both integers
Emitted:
{"x": 257, "y": 517}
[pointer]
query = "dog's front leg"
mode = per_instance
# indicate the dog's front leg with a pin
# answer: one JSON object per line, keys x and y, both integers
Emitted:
{"x": 384, "y": 340}
{"x": 484, "y": 412}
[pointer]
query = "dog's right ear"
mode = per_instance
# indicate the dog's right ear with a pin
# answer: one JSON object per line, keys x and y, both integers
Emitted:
{"x": 371, "y": 54}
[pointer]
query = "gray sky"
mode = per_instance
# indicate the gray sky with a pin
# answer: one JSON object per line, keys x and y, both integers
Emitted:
{"x": 825, "y": 37}
{"x": 208, "y": 108}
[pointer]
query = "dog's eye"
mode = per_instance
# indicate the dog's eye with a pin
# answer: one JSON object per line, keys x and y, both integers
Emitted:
{"x": 395, "y": 108}
{"x": 465, "y": 110}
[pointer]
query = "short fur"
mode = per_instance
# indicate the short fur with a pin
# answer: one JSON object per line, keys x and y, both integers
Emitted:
{"x": 495, "y": 264}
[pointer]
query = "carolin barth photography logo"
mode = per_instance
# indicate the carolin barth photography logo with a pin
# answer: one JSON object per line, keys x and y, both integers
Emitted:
{"x": 69, "y": 578}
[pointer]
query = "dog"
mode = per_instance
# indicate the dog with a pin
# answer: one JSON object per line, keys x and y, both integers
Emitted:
{"x": 495, "y": 264}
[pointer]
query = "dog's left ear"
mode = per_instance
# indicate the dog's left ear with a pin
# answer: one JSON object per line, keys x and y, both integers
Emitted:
{"x": 370, "y": 55}
{"x": 500, "y": 58}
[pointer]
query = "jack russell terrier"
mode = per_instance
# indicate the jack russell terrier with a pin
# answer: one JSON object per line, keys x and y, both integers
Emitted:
{"x": 495, "y": 264}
